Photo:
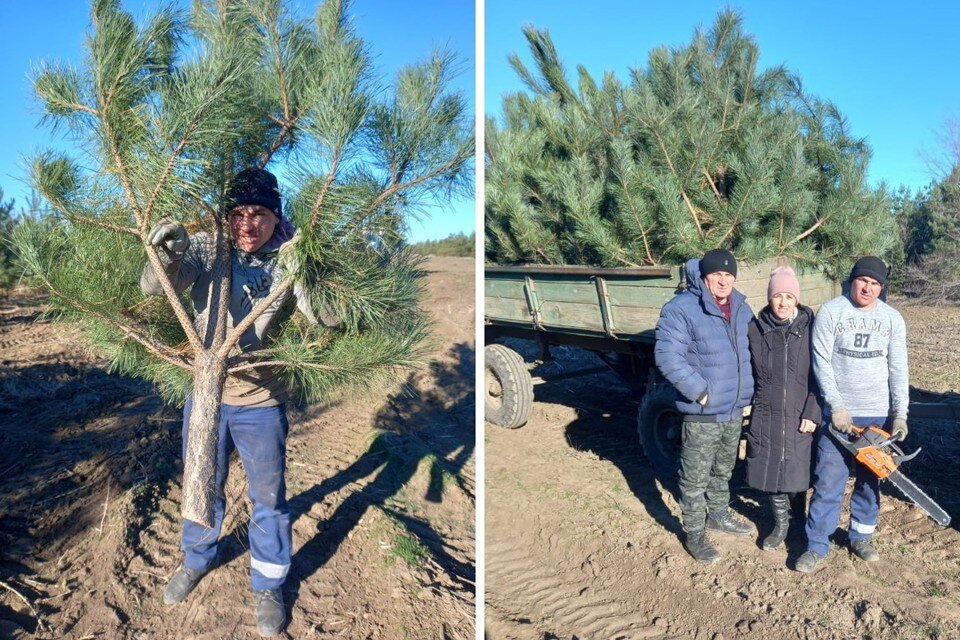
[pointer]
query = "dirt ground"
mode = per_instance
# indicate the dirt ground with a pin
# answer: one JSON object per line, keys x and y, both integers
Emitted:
{"x": 582, "y": 538}
{"x": 381, "y": 490}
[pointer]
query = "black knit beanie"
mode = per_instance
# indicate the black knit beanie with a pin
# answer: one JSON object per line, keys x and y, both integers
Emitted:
{"x": 254, "y": 186}
{"x": 718, "y": 260}
{"x": 869, "y": 266}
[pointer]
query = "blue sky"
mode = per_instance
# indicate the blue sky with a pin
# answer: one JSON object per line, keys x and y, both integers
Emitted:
{"x": 892, "y": 68}
{"x": 399, "y": 33}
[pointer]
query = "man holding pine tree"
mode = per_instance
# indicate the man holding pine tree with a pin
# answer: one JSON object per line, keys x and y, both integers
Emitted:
{"x": 252, "y": 419}
{"x": 702, "y": 349}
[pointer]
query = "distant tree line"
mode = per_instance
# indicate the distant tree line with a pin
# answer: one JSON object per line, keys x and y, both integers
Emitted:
{"x": 456, "y": 244}
{"x": 12, "y": 271}
{"x": 930, "y": 230}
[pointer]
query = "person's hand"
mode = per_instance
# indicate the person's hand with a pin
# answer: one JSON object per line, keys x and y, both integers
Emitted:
{"x": 842, "y": 421}
{"x": 169, "y": 234}
{"x": 807, "y": 426}
{"x": 899, "y": 428}
{"x": 287, "y": 258}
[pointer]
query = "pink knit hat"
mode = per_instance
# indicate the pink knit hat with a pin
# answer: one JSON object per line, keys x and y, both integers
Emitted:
{"x": 783, "y": 280}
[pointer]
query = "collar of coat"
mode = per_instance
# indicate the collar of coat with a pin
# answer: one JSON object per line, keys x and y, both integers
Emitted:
{"x": 768, "y": 322}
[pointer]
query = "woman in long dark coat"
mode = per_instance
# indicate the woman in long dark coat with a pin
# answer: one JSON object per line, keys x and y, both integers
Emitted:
{"x": 786, "y": 410}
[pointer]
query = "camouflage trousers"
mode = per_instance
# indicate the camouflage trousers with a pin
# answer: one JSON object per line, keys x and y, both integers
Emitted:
{"x": 707, "y": 457}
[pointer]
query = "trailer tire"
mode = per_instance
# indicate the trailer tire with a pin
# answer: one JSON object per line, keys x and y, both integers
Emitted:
{"x": 660, "y": 427}
{"x": 508, "y": 388}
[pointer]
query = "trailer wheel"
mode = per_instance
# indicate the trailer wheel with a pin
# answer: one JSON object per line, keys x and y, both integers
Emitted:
{"x": 660, "y": 427}
{"x": 509, "y": 389}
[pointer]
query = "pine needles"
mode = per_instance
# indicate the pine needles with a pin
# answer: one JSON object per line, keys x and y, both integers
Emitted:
{"x": 700, "y": 149}
{"x": 164, "y": 113}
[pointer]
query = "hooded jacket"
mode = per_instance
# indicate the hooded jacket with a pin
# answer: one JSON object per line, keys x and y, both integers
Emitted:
{"x": 252, "y": 277}
{"x": 778, "y": 455}
{"x": 698, "y": 351}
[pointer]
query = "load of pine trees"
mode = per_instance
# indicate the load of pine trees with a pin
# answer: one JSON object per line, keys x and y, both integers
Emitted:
{"x": 700, "y": 149}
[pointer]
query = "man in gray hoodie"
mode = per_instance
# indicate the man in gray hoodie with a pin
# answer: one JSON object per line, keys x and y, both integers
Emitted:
{"x": 860, "y": 360}
{"x": 253, "y": 419}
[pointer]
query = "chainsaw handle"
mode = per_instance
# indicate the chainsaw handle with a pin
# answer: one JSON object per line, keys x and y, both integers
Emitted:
{"x": 857, "y": 432}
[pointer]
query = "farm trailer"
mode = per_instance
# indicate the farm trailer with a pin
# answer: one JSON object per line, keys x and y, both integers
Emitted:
{"x": 612, "y": 313}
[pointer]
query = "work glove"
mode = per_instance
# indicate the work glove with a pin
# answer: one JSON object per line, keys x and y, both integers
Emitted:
{"x": 842, "y": 421}
{"x": 287, "y": 259}
{"x": 170, "y": 235}
{"x": 899, "y": 428}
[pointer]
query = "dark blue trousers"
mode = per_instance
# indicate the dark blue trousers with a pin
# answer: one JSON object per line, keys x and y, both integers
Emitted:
{"x": 834, "y": 465}
{"x": 259, "y": 436}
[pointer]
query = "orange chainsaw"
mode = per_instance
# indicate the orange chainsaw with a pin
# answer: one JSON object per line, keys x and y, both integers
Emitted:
{"x": 875, "y": 449}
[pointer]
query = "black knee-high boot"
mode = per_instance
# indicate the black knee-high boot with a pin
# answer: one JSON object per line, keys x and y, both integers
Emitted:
{"x": 780, "y": 504}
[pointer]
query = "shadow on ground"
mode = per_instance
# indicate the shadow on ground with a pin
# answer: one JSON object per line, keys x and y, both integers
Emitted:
{"x": 435, "y": 425}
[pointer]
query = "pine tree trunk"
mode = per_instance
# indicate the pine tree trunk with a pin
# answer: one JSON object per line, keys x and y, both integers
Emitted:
{"x": 199, "y": 471}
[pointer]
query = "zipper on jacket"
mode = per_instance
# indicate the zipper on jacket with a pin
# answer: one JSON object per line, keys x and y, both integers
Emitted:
{"x": 732, "y": 333}
{"x": 783, "y": 408}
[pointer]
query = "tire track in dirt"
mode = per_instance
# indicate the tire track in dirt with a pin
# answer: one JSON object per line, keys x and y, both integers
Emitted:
{"x": 553, "y": 599}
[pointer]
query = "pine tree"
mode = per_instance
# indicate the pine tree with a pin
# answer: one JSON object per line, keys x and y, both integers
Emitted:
{"x": 701, "y": 149}
{"x": 166, "y": 112}
{"x": 8, "y": 263}
{"x": 930, "y": 224}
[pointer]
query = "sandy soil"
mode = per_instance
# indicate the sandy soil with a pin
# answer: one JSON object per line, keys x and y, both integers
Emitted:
{"x": 582, "y": 538}
{"x": 381, "y": 489}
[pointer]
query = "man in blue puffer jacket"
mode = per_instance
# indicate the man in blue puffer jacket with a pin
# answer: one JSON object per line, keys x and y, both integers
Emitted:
{"x": 702, "y": 350}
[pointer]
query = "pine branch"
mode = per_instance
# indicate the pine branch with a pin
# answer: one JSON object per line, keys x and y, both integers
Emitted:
{"x": 178, "y": 309}
{"x": 237, "y": 332}
{"x": 134, "y": 332}
{"x": 394, "y": 188}
{"x": 676, "y": 175}
{"x": 222, "y": 269}
{"x": 643, "y": 233}
{"x": 121, "y": 173}
{"x": 182, "y": 145}
{"x": 287, "y": 127}
{"x": 279, "y": 363}
{"x": 713, "y": 185}
{"x": 74, "y": 217}
{"x": 818, "y": 224}
{"x": 327, "y": 182}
